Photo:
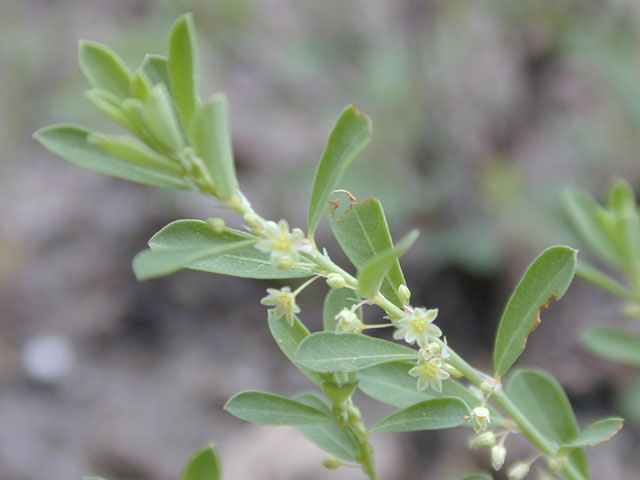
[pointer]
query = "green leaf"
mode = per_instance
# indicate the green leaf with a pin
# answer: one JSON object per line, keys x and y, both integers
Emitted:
{"x": 135, "y": 152}
{"x": 71, "y": 143}
{"x": 434, "y": 414}
{"x": 621, "y": 198}
{"x": 363, "y": 233}
{"x": 288, "y": 337}
{"x": 203, "y": 465}
{"x": 334, "y": 303}
{"x": 548, "y": 277}
{"x": 339, "y": 392}
{"x": 349, "y": 136}
{"x": 330, "y": 437}
{"x": 160, "y": 119}
{"x": 613, "y": 344}
{"x": 248, "y": 262}
{"x": 183, "y": 67}
{"x": 594, "y": 225}
{"x": 157, "y": 69}
{"x": 111, "y": 106}
{"x": 141, "y": 85}
{"x": 477, "y": 476}
{"x": 104, "y": 68}
{"x": 598, "y": 432}
{"x": 157, "y": 263}
{"x": 270, "y": 409}
{"x": 373, "y": 273}
{"x": 348, "y": 352}
{"x": 209, "y": 134}
{"x": 543, "y": 402}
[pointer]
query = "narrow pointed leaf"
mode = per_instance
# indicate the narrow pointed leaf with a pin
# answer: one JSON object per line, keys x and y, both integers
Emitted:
{"x": 598, "y": 432}
{"x": 288, "y": 338}
{"x": 545, "y": 404}
{"x": 348, "y": 352}
{"x": 135, "y": 152}
{"x": 110, "y": 105}
{"x": 209, "y": 134}
{"x": 141, "y": 85}
{"x": 247, "y": 262}
{"x": 71, "y": 143}
{"x": 350, "y": 135}
{"x": 160, "y": 119}
{"x": 434, "y": 414}
{"x": 203, "y": 465}
{"x": 104, "y": 68}
{"x": 547, "y": 278}
{"x": 157, "y": 263}
{"x": 373, "y": 273}
{"x": 157, "y": 69}
{"x": 183, "y": 67}
{"x": 270, "y": 409}
{"x": 613, "y": 344}
{"x": 330, "y": 437}
{"x": 334, "y": 303}
{"x": 363, "y": 233}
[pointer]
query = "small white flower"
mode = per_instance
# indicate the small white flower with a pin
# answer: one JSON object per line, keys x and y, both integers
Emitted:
{"x": 498, "y": 452}
{"x": 480, "y": 417}
{"x": 518, "y": 471}
{"x": 429, "y": 373}
{"x": 282, "y": 245}
{"x": 348, "y": 322}
{"x": 417, "y": 325}
{"x": 284, "y": 303}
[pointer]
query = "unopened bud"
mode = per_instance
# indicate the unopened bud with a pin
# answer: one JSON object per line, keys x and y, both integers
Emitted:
{"x": 331, "y": 463}
{"x": 498, "y": 453}
{"x": 285, "y": 263}
{"x": 486, "y": 439}
{"x": 348, "y": 322}
{"x": 555, "y": 465}
{"x": 336, "y": 281}
{"x": 480, "y": 417}
{"x": 217, "y": 224}
{"x": 453, "y": 371}
{"x": 404, "y": 294}
{"x": 518, "y": 471}
{"x": 252, "y": 220}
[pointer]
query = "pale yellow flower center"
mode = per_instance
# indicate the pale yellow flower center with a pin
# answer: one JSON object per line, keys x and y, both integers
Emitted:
{"x": 281, "y": 243}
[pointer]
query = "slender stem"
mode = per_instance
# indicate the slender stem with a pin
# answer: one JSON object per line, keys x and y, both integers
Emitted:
{"x": 593, "y": 275}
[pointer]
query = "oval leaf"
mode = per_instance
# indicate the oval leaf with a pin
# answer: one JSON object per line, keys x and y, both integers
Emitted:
{"x": 247, "y": 262}
{"x": 159, "y": 117}
{"x": 135, "y": 152}
{"x": 104, "y": 68}
{"x": 363, "y": 233}
{"x": 270, "y": 409}
{"x": 203, "y": 465}
{"x": 543, "y": 401}
{"x": 373, "y": 273}
{"x": 183, "y": 67}
{"x": 71, "y": 143}
{"x": 157, "y": 263}
{"x": 613, "y": 344}
{"x": 434, "y": 414}
{"x": 349, "y": 136}
{"x": 548, "y": 277}
{"x": 209, "y": 134}
{"x": 157, "y": 69}
{"x": 348, "y": 352}
{"x": 598, "y": 432}
{"x": 288, "y": 338}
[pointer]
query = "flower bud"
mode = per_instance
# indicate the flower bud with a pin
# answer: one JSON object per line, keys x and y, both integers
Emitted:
{"x": 252, "y": 220}
{"x": 518, "y": 471}
{"x": 453, "y": 371}
{"x": 404, "y": 294}
{"x": 216, "y": 224}
{"x": 285, "y": 263}
{"x": 348, "y": 322}
{"x": 331, "y": 463}
{"x": 498, "y": 452}
{"x": 555, "y": 464}
{"x": 480, "y": 417}
{"x": 486, "y": 439}
{"x": 336, "y": 281}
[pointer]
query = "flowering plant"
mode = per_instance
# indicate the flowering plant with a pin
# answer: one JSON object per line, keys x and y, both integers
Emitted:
{"x": 184, "y": 143}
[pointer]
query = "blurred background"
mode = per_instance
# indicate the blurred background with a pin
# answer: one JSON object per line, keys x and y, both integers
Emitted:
{"x": 483, "y": 111}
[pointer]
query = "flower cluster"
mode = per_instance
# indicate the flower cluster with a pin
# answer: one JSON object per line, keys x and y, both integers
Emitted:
{"x": 283, "y": 246}
{"x": 417, "y": 325}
